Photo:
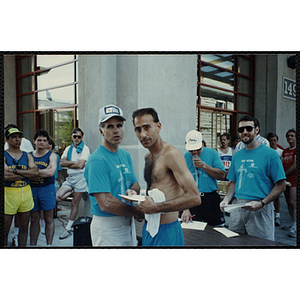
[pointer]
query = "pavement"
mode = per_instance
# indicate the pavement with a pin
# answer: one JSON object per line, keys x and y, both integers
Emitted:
{"x": 63, "y": 216}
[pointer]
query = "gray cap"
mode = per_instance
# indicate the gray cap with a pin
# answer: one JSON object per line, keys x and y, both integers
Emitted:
{"x": 110, "y": 111}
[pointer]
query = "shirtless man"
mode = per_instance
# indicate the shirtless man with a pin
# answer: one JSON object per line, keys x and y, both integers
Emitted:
{"x": 166, "y": 170}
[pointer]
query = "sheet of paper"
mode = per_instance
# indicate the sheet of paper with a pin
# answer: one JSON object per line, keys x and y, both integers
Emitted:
{"x": 230, "y": 207}
{"x": 228, "y": 233}
{"x": 133, "y": 197}
{"x": 194, "y": 225}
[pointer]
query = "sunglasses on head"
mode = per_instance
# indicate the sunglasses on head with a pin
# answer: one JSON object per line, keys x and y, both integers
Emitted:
{"x": 16, "y": 162}
{"x": 77, "y": 136}
{"x": 248, "y": 128}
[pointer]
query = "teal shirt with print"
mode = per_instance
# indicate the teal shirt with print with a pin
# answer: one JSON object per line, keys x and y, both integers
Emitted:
{"x": 205, "y": 183}
{"x": 255, "y": 172}
{"x": 108, "y": 172}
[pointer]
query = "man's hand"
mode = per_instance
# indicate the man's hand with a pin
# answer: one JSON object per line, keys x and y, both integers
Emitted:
{"x": 224, "y": 202}
{"x": 148, "y": 206}
{"x": 198, "y": 163}
{"x": 255, "y": 205}
{"x": 186, "y": 216}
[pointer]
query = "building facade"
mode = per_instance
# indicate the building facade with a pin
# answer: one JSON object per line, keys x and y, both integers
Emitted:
{"x": 208, "y": 92}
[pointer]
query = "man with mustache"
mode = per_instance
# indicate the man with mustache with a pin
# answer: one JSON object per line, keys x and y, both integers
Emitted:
{"x": 165, "y": 170}
{"x": 257, "y": 178}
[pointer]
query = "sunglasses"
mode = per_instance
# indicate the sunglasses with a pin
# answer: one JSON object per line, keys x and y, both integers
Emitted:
{"x": 77, "y": 136}
{"x": 16, "y": 162}
{"x": 248, "y": 128}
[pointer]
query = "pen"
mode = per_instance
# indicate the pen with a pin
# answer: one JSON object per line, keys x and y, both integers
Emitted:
{"x": 191, "y": 217}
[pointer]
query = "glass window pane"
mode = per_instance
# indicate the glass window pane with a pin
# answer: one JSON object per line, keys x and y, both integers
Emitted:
{"x": 46, "y": 61}
{"x": 212, "y": 125}
{"x": 217, "y": 77}
{"x": 225, "y": 61}
{"x": 63, "y": 126}
{"x": 56, "y": 97}
{"x": 25, "y": 103}
{"x": 26, "y": 124}
{"x": 245, "y": 85}
{"x": 246, "y": 66}
{"x": 25, "y": 65}
{"x": 55, "y": 77}
{"x": 245, "y": 103}
{"x": 25, "y": 84}
{"x": 217, "y": 98}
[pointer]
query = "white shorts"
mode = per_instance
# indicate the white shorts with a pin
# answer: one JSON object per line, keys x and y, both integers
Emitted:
{"x": 113, "y": 231}
{"x": 76, "y": 182}
{"x": 258, "y": 223}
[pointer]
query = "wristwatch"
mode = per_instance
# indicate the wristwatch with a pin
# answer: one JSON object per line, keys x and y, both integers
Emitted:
{"x": 15, "y": 170}
{"x": 263, "y": 203}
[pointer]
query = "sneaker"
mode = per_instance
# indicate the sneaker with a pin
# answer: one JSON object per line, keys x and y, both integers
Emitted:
{"x": 277, "y": 221}
{"x": 65, "y": 234}
{"x": 287, "y": 227}
{"x": 43, "y": 230}
{"x": 293, "y": 232}
{"x": 15, "y": 242}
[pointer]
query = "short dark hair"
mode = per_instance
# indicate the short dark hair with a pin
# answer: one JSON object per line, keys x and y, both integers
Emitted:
{"x": 225, "y": 134}
{"x": 41, "y": 132}
{"x": 145, "y": 111}
{"x": 51, "y": 142}
{"x": 250, "y": 118}
{"x": 290, "y": 130}
{"x": 76, "y": 129}
{"x": 271, "y": 135}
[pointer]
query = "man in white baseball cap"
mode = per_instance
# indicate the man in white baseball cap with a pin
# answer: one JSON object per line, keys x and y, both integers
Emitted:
{"x": 109, "y": 173}
{"x": 206, "y": 167}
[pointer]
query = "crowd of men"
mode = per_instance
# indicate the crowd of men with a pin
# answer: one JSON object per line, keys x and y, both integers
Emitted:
{"x": 178, "y": 185}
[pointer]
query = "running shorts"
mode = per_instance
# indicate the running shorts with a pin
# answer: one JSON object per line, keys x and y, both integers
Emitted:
{"x": 44, "y": 197}
{"x": 17, "y": 200}
{"x": 168, "y": 235}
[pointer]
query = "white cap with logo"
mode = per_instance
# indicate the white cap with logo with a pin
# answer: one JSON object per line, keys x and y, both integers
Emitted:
{"x": 193, "y": 140}
{"x": 110, "y": 111}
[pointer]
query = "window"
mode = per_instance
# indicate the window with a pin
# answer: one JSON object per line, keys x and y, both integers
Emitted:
{"x": 225, "y": 92}
{"x": 47, "y": 95}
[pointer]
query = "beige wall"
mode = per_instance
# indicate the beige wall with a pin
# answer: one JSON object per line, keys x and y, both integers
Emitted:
{"x": 10, "y": 112}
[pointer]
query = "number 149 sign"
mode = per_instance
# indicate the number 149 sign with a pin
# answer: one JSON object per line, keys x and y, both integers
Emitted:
{"x": 289, "y": 88}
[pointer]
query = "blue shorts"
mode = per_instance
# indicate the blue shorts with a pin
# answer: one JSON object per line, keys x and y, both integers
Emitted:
{"x": 167, "y": 235}
{"x": 44, "y": 198}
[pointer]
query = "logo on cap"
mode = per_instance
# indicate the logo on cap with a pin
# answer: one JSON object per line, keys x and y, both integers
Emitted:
{"x": 112, "y": 110}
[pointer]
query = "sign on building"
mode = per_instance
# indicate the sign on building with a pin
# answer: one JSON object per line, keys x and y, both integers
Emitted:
{"x": 289, "y": 88}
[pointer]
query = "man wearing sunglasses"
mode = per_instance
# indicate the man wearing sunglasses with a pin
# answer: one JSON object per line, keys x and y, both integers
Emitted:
{"x": 256, "y": 178}
{"x": 259, "y": 138}
{"x": 18, "y": 168}
{"x": 73, "y": 158}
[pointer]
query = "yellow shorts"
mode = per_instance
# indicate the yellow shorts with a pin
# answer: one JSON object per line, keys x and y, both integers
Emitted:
{"x": 17, "y": 200}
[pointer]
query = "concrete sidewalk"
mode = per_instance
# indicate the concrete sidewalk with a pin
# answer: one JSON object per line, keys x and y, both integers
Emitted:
{"x": 63, "y": 217}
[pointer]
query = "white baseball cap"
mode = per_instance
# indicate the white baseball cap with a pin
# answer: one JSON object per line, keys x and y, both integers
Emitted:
{"x": 109, "y": 111}
{"x": 193, "y": 140}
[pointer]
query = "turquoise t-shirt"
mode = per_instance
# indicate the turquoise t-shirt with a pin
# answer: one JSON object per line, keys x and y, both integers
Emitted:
{"x": 255, "y": 172}
{"x": 108, "y": 172}
{"x": 205, "y": 183}
{"x": 58, "y": 168}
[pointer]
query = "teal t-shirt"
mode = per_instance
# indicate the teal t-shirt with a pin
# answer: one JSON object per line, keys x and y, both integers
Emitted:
{"x": 255, "y": 172}
{"x": 108, "y": 172}
{"x": 205, "y": 183}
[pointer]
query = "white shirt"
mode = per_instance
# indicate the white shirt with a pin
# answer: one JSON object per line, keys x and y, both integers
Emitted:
{"x": 85, "y": 153}
{"x": 259, "y": 138}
